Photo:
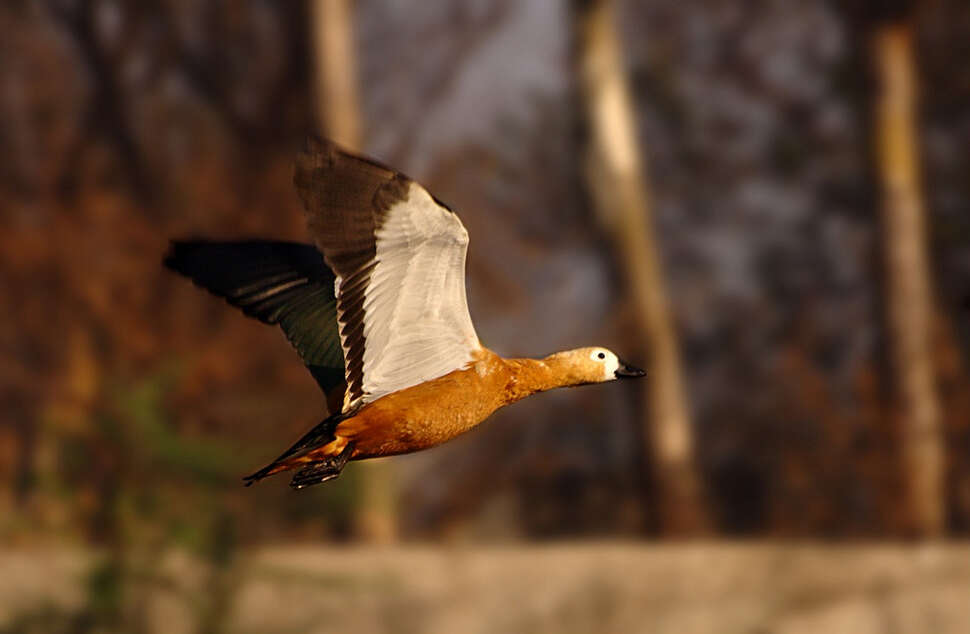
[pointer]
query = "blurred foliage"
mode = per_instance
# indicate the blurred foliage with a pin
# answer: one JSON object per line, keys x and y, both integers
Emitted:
{"x": 141, "y": 490}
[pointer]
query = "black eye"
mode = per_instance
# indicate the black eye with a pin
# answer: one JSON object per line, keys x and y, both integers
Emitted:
{"x": 601, "y": 355}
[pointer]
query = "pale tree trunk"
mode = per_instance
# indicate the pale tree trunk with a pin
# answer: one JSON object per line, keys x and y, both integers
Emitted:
{"x": 338, "y": 110}
{"x": 615, "y": 173}
{"x": 908, "y": 292}
{"x": 335, "y": 68}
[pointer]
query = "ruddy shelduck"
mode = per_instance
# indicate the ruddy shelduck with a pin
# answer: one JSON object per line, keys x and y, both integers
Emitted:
{"x": 377, "y": 311}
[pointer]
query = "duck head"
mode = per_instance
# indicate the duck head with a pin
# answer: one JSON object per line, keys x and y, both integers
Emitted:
{"x": 590, "y": 365}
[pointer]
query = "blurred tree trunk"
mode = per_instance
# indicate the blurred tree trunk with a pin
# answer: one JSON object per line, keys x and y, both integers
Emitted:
{"x": 335, "y": 66}
{"x": 908, "y": 288}
{"x": 615, "y": 172}
{"x": 338, "y": 112}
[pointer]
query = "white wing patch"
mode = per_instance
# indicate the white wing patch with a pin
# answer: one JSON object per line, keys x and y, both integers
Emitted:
{"x": 416, "y": 321}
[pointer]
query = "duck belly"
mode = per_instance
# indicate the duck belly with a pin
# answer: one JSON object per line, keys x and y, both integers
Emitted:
{"x": 422, "y": 416}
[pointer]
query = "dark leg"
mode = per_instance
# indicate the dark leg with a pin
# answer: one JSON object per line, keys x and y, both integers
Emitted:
{"x": 327, "y": 469}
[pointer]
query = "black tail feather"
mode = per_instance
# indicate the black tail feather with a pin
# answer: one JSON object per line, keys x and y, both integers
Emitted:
{"x": 253, "y": 478}
{"x": 319, "y": 436}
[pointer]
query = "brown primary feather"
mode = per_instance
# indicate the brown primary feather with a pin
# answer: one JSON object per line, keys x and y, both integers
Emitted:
{"x": 346, "y": 199}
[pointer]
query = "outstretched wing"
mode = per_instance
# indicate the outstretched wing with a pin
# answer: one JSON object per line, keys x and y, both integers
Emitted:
{"x": 399, "y": 257}
{"x": 277, "y": 283}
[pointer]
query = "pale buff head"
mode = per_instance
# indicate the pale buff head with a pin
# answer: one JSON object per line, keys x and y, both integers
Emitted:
{"x": 590, "y": 365}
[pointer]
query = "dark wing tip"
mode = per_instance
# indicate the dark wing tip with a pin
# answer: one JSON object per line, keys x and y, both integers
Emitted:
{"x": 170, "y": 257}
{"x": 192, "y": 258}
{"x": 176, "y": 256}
{"x": 263, "y": 473}
{"x": 316, "y": 155}
{"x": 314, "y": 144}
{"x": 319, "y": 152}
{"x": 311, "y": 143}
{"x": 314, "y": 148}
{"x": 320, "y": 157}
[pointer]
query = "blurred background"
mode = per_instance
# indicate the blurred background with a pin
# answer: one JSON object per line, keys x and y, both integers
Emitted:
{"x": 764, "y": 203}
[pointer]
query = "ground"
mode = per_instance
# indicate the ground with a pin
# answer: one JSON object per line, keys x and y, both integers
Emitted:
{"x": 566, "y": 587}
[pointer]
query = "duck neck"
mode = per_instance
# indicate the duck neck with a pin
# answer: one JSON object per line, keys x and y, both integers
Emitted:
{"x": 528, "y": 376}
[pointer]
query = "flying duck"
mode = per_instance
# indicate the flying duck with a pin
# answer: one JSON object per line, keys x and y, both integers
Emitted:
{"x": 377, "y": 311}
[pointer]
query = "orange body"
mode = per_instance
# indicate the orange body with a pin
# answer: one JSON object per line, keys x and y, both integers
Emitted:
{"x": 436, "y": 411}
